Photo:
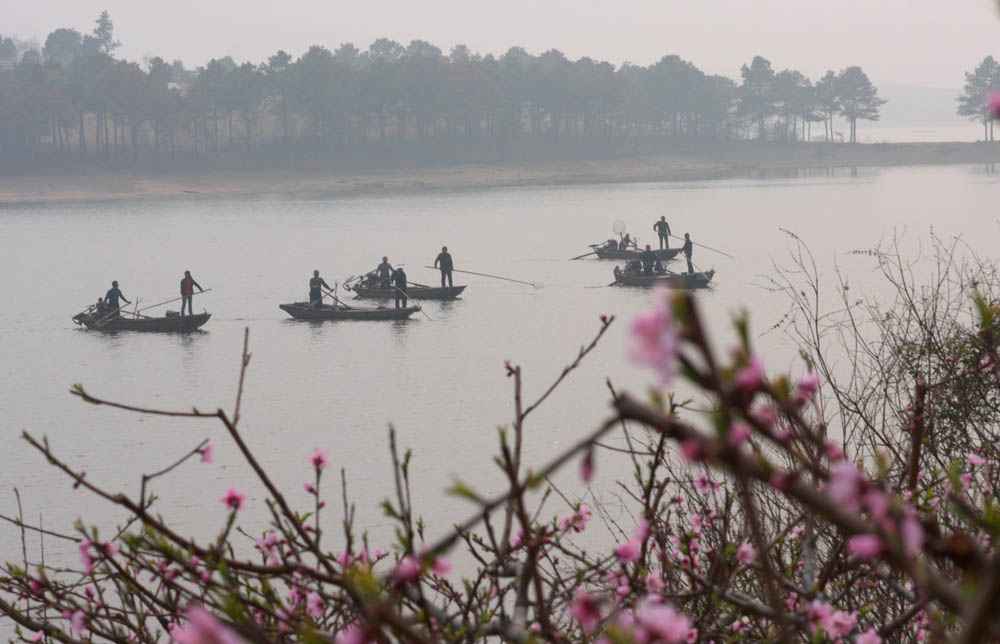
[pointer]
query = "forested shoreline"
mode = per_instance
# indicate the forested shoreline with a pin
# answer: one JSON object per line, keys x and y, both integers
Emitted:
{"x": 74, "y": 105}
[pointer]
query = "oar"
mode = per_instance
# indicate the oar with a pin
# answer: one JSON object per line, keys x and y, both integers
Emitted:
{"x": 593, "y": 252}
{"x": 415, "y": 303}
{"x": 496, "y": 277}
{"x": 706, "y": 247}
{"x": 109, "y": 316}
{"x": 337, "y": 300}
{"x": 153, "y": 306}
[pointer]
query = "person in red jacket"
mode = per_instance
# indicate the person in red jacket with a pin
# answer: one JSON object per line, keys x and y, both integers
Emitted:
{"x": 187, "y": 291}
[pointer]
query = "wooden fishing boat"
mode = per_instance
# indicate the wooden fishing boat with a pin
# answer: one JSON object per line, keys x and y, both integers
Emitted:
{"x": 126, "y": 322}
{"x": 671, "y": 280}
{"x": 303, "y": 311}
{"x": 604, "y": 252}
{"x": 414, "y": 292}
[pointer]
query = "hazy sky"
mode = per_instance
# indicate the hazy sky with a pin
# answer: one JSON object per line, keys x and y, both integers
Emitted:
{"x": 913, "y": 42}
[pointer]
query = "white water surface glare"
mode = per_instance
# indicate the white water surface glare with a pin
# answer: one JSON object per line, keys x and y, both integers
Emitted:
{"x": 440, "y": 382}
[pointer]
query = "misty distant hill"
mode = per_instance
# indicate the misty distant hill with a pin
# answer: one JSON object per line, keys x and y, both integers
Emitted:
{"x": 910, "y": 106}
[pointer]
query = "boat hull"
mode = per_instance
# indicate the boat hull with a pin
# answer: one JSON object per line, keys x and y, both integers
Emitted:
{"x": 414, "y": 292}
{"x": 671, "y": 280}
{"x": 614, "y": 253}
{"x": 302, "y": 311}
{"x": 178, "y": 324}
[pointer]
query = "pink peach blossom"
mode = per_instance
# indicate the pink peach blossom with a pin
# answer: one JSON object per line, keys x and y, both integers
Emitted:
{"x": 234, "y": 499}
{"x": 314, "y": 605}
{"x": 819, "y": 614}
{"x": 78, "y": 622}
{"x": 269, "y": 547}
{"x": 206, "y": 454}
{"x": 868, "y": 637}
{"x": 840, "y": 624}
{"x": 864, "y": 546}
{"x": 750, "y": 377}
{"x": 575, "y": 521}
{"x": 844, "y": 485}
{"x": 766, "y": 415}
{"x": 86, "y": 558}
{"x": 745, "y": 554}
{"x": 629, "y": 551}
{"x": 807, "y": 387}
{"x": 585, "y": 610}
{"x": 739, "y": 433}
{"x": 641, "y": 531}
{"x": 408, "y": 570}
{"x": 975, "y": 460}
{"x": 353, "y": 634}
{"x": 692, "y": 450}
{"x": 441, "y": 566}
{"x": 663, "y": 622}
{"x": 654, "y": 338}
{"x": 911, "y": 533}
{"x": 318, "y": 459}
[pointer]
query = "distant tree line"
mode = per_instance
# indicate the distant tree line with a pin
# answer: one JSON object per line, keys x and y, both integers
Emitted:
{"x": 979, "y": 83}
{"x": 74, "y": 100}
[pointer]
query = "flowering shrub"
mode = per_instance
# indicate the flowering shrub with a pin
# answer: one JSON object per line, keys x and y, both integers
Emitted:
{"x": 795, "y": 509}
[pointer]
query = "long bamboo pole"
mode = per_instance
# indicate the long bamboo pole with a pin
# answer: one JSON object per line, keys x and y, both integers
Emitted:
{"x": 496, "y": 277}
{"x": 415, "y": 302}
{"x": 706, "y": 247}
{"x": 153, "y": 306}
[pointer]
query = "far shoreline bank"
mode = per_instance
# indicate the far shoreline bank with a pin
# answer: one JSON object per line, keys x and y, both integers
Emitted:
{"x": 680, "y": 164}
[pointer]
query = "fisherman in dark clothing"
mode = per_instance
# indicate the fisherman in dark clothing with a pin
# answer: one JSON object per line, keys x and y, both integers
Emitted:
{"x": 626, "y": 242}
{"x": 687, "y": 249}
{"x": 399, "y": 281}
{"x": 100, "y": 309}
{"x": 444, "y": 257}
{"x": 315, "y": 292}
{"x": 662, "y": 228}
{"x": 648, "y": 258}
{"x": 384, "y": 272}
{"x": 111, "y": 299}
{"x": 187, "y": 292}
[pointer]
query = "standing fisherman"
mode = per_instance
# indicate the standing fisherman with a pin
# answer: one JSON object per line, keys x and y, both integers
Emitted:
{"x": 399, "y": 281}
{"x": 687, "y": 249}
{"x": 111, "y": 299}
{"x": 187, "y": 292}
{"x": 384, "y": 272}
{"x": 315, "y": 292}
{"x": 662, "y": 228}
{"x": 444, "y": 257}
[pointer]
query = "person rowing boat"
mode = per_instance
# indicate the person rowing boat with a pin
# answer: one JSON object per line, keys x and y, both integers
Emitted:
{"x": 446, "y": 265}
{"x": 111, "y": 299}
{"x": 316, "y": 285}
{"x": 384, "y": 273}
{"x": 187, "y": 292}
{"x": 399, "y": 282}
{"x": 662, "y": 229}
{"x": 687, "y": 249}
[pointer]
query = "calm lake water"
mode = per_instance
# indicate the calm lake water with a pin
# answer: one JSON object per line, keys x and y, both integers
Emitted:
{"x": 338, "y": 385}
